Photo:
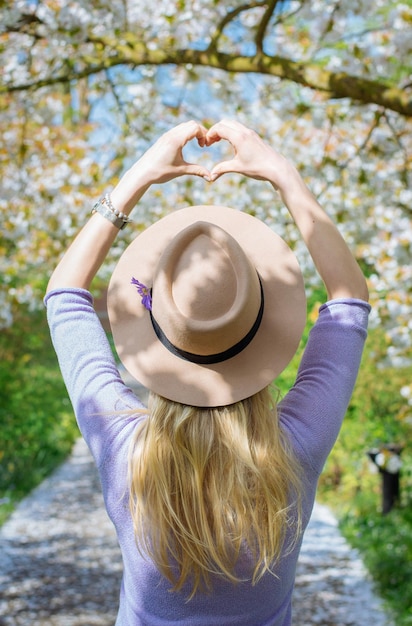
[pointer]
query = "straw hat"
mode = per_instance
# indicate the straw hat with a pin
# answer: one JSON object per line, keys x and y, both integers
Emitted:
{"x": 227, "y": 306}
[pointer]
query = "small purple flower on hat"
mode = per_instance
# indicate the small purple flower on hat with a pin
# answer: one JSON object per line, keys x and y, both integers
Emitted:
{"x": 144, "y": 292}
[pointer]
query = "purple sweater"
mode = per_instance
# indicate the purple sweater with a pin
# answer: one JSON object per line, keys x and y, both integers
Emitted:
{"x": 311, "y": 413}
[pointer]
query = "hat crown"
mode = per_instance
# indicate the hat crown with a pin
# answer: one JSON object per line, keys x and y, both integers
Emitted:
{"x": 206, "y": 292}
{"x": 216, "y": 318}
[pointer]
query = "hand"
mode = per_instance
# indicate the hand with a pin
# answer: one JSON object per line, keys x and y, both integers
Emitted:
{"x": 164, "y": 160}
{"x": 253, "y": 157}
{"x": 331, "y": 255}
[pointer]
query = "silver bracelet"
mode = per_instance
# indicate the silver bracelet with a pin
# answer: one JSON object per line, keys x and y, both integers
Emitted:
{"x": 105, "y": 207}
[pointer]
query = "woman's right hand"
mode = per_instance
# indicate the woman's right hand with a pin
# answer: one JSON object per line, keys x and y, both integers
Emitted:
{"x": 253, "y": 157}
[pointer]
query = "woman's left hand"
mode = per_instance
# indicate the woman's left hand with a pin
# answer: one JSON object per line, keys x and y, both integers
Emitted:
{"x": 162, "y": 162}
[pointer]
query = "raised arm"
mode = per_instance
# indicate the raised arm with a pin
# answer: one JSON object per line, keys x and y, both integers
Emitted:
{"x": 254, "y": 158}
{"x": 161, "y": 163}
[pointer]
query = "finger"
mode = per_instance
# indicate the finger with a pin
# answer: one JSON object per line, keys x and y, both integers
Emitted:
{"x": 224, "y": 168}
{"x": 212, "y": 136}
{"x": 225, "y": 129}
{"x": 193, "y": 169}
{"x": 216, "y": 132}
{"x": 193, "y": 130}
{"x": 201, "y": 136}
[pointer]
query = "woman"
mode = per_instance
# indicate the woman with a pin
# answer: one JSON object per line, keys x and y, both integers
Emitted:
{"x": 211, "y": 488}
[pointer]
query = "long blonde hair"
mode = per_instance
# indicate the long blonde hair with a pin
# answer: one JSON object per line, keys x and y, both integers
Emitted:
{"x": 207, "y": 483}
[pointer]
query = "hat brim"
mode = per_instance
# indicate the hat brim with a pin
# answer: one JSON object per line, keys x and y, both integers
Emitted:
{"x": 270, "y": 351}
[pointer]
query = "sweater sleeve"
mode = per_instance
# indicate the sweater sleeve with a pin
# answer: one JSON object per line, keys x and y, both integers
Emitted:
{"x": 313, "y": 410}
{"x": 103, "y": 405}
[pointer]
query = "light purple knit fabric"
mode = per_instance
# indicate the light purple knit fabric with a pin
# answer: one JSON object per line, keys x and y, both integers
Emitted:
{"x": 311, "y": 412}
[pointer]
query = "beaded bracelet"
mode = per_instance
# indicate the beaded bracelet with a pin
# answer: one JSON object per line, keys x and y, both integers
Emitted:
{"x": 105, "y": 207}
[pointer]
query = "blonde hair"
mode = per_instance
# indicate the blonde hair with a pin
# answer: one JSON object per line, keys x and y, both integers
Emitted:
{"x": 208, "y": 483}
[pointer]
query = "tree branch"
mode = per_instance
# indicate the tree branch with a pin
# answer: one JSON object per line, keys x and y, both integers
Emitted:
{"x": 230, "y": 17}
{"x": 264, "y": 22}
{"x": 112, "y": 52}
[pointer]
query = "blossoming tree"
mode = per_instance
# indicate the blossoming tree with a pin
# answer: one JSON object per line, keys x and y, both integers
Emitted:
{"x": 86, "y": 85}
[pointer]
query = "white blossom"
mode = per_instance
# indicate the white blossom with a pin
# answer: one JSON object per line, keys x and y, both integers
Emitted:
{"x": 54, "y": 164}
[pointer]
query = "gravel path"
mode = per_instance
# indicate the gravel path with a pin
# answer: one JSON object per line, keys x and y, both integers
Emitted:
{"x": 60, "y": 564}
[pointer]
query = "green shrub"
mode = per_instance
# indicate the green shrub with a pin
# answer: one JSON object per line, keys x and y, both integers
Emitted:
{"x": 37, "y": 424}
{"x": 385, "y": 543}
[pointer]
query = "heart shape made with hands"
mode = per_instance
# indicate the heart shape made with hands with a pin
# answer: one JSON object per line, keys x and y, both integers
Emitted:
{"x": 194, "y": 152}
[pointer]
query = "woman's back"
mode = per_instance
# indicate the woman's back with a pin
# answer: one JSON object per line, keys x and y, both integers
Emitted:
{"x": 109, "y": 415}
